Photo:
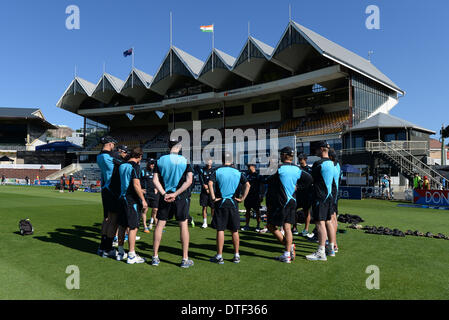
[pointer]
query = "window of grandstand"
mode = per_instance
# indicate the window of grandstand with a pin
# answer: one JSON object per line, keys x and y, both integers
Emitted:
{"x": 303, "y": 147}
{"x": 181, "y": 117}
{"x": 234, "y": 111}
{"x": 368, "y": 97}
{"x": 321, "y": 98}
{"x": 217, "y": 112}
{"x": 210, "y": 114}
{"x": 318, "y": 88}
{"x": 265, "y": 106}
{"x": 389, "y": 137}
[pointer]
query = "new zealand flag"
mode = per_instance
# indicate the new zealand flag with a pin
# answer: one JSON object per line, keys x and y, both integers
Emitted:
{"x": 128, "y": 52}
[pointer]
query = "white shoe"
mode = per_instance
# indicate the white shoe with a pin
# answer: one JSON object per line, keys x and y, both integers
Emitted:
{"x": 310, "y": 235}
{"x": 204, "y": 226}
{"x": 135, "y": 259}
{"x": 317, "y": 256}
{"x": 121, "y": 256}
{"x": 151, "y": 226}
{"x": 137, "y": 238}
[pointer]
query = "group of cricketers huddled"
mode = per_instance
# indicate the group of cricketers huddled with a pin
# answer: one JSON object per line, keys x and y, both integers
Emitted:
{"x": 165, "y": 186}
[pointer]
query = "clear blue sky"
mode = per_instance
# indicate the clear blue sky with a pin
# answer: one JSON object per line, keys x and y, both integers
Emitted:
{"x": 39, "y": 54}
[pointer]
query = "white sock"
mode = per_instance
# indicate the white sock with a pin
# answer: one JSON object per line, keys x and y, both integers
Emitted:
{"x": 205, "y": 221}
{"x": 286, "y": 253}
{"x": 237, "y": 254}
{"x": 321, "y": 249}
{"x": 132, "y": 254}
{"x": 331, "y": 246}
{"x": 219, "y": 256}
{"x": 152, "y": 220}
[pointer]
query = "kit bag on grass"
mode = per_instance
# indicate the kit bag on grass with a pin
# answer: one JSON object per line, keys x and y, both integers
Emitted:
{"x": 25, "y": 227}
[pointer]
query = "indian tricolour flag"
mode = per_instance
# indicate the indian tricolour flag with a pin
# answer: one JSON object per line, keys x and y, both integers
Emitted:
{"x": 209, "y": 28}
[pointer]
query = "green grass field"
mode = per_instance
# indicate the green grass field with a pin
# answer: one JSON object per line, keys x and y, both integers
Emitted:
{"x": 67, "y": 233}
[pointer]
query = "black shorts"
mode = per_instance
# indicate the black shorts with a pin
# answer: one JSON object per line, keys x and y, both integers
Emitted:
{"x": 179, "y": 209}
{"x": 252, "y": 203}
{"x": 110, "y": 202}
{"x": 279, "y": 216}
{"x": 323, "y": 210}
{"x": 226, "y": 216}
{"x": 205, "y": 200}
{"x": 129, "y": 217}
{"x": 335, "y": 207}
{"x": 153, "y": 201}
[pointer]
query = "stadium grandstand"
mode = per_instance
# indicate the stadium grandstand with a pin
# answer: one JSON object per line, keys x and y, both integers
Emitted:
{"x": 307, "y": 87}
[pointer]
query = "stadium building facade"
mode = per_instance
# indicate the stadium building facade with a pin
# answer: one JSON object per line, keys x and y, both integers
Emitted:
{"x": 306, "y": 86}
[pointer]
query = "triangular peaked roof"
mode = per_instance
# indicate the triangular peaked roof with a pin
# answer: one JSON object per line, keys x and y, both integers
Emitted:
{"x": 80, "y": 86}
{"x": 265, "y": 48}
{"x": 139, "y": 75}
{"x": 114, "y": 81}
{"x": 87, "y": 86}
{"x": 145, "y": 77}
{"x": 193, "y": 64}
{"x": 344, "y": 56}
{"x": 226, "y": 58}
{"x": 384, "y": 120}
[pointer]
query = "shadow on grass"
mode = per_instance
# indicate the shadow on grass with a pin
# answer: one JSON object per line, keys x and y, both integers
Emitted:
{"x": 81, "y": 238}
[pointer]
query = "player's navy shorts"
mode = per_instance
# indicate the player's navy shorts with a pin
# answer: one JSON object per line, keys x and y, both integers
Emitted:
{"x": 205, "y": 199}
{"x": 178, "y": 209}
{"x": 322, "y": 210}
{"x": 226, "y": 216}
{"x": 153, "y": 200}
{"x": 279, "y": 216}
{"x": 252, "y": 202}
{"x": 130, "y": 214}
{"x": 110, "y": 202}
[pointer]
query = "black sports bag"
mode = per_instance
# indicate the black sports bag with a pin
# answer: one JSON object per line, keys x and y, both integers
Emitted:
{"x": 25, "y": 227}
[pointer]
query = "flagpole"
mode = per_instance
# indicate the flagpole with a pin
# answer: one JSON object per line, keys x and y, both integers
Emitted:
{"x": 74, "y": 83}
{"x": 171, "y": 43}
{"x": 249, "y": 47}
{"x": 132, "y": 70}
{"x": 213, "y": 45}
{"x": 104, "y": 72}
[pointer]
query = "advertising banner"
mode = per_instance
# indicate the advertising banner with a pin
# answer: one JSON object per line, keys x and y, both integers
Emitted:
{"x": 431, "y": 197}
{"x": 353, "y": 193}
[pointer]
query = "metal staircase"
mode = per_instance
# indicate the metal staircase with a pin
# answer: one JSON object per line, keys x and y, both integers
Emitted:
{"x": 399, "y": 154}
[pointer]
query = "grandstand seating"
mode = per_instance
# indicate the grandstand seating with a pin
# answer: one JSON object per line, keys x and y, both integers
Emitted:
{"x": 22, "y": 173}
{"x": 133, "y": 137}
{"x": 92, "y": 174}
{"x": 309, "y": 126}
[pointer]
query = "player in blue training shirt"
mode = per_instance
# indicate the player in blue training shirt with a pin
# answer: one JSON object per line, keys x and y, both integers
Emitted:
{"x": 105, "y": 161}
{"x": 281, "y": 201}
{"x": 335, "y": 194}
{"x": 323, "y": 203}
{"x": 223, "y": 186}
{"x": 132, "y": 202}
{"x": 172, "y": 178}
